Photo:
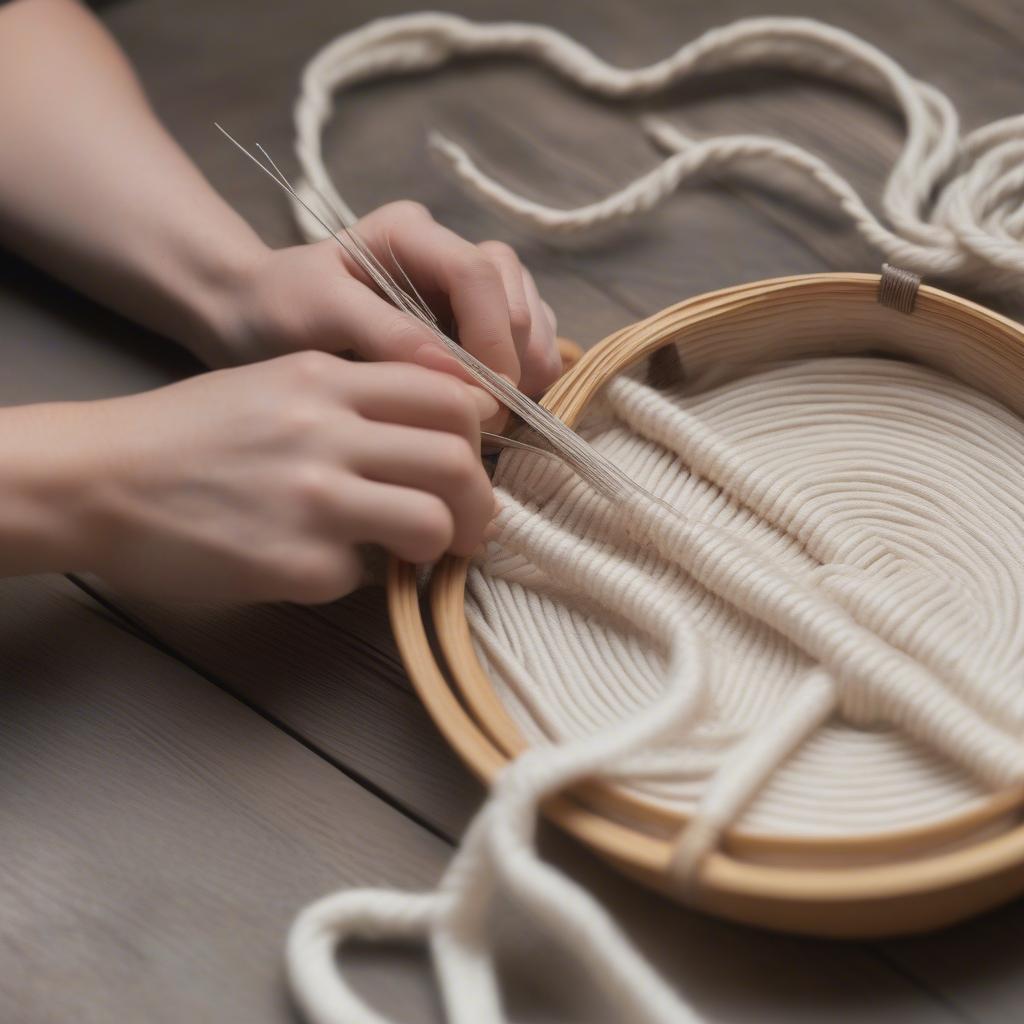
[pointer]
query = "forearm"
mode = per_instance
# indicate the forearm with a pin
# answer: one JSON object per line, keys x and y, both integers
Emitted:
{"x": 93, "y": 189}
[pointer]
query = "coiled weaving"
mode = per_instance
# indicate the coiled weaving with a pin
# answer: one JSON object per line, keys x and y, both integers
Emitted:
{"x": 824, "y": 639}
{"x": 877, "y": 486}
{"x": 828, "y": 642}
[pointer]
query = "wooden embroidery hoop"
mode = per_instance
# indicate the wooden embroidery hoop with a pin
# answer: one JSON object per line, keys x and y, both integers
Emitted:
{"x": 877, "y": 885}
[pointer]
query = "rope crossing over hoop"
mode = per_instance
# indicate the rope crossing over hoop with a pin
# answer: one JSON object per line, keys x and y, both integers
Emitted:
{"x": 821, "y": 608}
{"x": 815, "y": 577}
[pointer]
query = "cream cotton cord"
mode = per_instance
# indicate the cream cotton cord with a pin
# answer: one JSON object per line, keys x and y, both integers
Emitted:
{"x": 829, "y": 641}
{"x": 814, "y": 487}
{"x": 952, "y": 204}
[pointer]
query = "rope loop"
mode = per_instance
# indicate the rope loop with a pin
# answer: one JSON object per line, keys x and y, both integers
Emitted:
{"x": 952, "y": 204}
{"x": 848, "y": 605}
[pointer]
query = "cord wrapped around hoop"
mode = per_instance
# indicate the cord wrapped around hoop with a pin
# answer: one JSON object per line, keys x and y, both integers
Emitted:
{"x": 792, "y": 316}
{"x": 697, "y": 782}
{"x": 898, "y": 288}
{"x": 880, "y": 875}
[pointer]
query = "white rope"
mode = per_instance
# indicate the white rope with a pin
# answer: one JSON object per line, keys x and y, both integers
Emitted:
{"x": 952, "y": 206}
{"x": 828, "y": 643}
{"x": 851, "y": 559}
{"x": 861, "y": 509}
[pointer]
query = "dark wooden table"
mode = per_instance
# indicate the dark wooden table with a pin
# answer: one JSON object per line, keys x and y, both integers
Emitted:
{"x": 176, "y": 782}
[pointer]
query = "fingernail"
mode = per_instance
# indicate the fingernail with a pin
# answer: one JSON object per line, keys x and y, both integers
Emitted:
{"x": 487, "y": 406}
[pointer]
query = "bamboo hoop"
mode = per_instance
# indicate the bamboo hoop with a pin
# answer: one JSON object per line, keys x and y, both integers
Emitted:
{"x": 893, "y": 882}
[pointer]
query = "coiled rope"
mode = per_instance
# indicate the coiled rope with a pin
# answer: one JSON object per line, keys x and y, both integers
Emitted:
{"x": 952, "y": 205}
{"x": 851, "y": 544}
{"x": 832, "y": 555}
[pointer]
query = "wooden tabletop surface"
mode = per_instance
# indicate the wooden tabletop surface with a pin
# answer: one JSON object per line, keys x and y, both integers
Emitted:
{"x": 176, "y": 782}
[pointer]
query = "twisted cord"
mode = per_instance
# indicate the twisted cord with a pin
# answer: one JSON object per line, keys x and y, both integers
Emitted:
{"x": 499, "y": 849}
{"x": 952, "y": 204}
{"x": 849, "y": 544}
{"x": 833, "y": 560}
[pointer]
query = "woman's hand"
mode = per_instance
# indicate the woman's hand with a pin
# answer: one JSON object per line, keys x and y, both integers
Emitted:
{"x": 169, "y": 253}
{"x": 314, "y": 297}
{"x": 259, "y": 483}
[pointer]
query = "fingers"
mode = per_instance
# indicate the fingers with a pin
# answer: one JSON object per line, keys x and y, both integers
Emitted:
{"x": 355, "y": 317}
{"x": 506, "y": 262}
{"x": 416, "y": 397}
{"x": 552, "y": 320}
{"x": 541, "y": 361}
{"x": 435, "y": 463}
{"x": 439, "y": 262}
{"x": 414, "y": 525}
{"x": 311, "y": 574}
{"x": 499, "y": 313}
{"x": 416, "y": 431}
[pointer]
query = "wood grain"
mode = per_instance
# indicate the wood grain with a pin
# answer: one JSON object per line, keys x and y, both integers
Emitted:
{"x": 920, "y": 885}
{"x": 329, "y": 675}
{"x": 332, "y": 676}
{"x": 156, "y": 836}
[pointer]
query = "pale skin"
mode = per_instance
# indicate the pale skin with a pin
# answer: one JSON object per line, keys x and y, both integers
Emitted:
{"x": 261, "y": 479}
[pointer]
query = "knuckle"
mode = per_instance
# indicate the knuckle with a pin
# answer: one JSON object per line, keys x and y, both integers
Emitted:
{"x": 298, "y": 419}
{"x": 519, "y": 317}
{"x": 311, "y": 366}
{"x": 311, "y": 487}
{"x": 474, "y": 268}
{"x": 451, "y": 393}
{"x": 406, "y": 209}
{"x": 273, "y": 572}
{"x": 499, "y": 250}
{"x": 456, "y": 408}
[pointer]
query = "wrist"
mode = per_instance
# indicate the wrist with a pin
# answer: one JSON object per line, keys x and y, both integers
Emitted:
{"x": 216, "y": 301}
{"x": 46, "y": 521}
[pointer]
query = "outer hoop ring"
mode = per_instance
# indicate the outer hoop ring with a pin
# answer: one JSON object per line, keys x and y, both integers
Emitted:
{"x": 897, "y": 885}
